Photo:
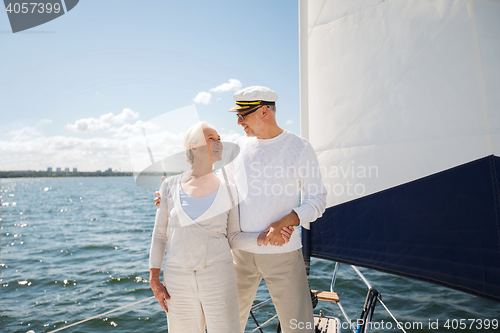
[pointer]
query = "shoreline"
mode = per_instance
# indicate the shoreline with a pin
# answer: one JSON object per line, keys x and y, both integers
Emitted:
{"x": 47, "y": 174}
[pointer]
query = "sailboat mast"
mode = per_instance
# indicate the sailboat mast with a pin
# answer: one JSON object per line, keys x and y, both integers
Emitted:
{"x": 303, "y": 63}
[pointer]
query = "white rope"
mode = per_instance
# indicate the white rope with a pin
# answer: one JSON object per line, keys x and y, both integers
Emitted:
{"x": 258, "y": 327}
{"x": 99, "y": 315}
{"x": 397, "y": 322}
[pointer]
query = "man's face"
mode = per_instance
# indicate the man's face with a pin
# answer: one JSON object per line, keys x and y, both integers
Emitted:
{"x": 252, "y": 123}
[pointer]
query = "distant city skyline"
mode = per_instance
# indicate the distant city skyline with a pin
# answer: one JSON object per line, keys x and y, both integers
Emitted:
{"x": 59, "y": 169}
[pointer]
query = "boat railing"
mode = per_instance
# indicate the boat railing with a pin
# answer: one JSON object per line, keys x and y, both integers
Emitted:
{"x": 362, "y": 325}
{"x": 372, "y": 298}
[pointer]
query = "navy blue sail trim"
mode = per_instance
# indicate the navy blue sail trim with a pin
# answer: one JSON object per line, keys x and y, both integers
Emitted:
{"x": 443, "y": 229}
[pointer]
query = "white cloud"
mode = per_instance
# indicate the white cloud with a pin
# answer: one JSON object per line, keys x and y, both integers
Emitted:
{"x": 104, "y": 122}
{"x": 27, "y": 133}
{"x": 233, "y": 84}
{"x": 289, "y": 122}
{"x": 126, "y": 114}
{"x": 136, "y": 128}
{"x": 206, "y": 97}
{"x": 33, "y": 148}
{"x": 27, "y": 149}
{"x": 229, "y": 137}
{"x": 87, "y": 125}
{"x": 24, "y": 134}
{"x": 40, "y": 152}
{"x": 203, "y": 98}
{"x": 161, "y": 143}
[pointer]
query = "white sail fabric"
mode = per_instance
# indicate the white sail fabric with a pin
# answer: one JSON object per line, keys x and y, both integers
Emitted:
{"x": 393, "y": 91}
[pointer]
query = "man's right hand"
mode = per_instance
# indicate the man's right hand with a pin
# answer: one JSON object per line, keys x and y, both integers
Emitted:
{"x": 157, "y": 200}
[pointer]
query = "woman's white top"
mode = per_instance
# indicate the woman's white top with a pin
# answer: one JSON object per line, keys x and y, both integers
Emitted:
{"x": 195, "y": 207}
{"x": 194, "y": 244}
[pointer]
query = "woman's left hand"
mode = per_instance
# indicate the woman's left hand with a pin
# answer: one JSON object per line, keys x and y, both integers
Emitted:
{"x": 160, "y": 291}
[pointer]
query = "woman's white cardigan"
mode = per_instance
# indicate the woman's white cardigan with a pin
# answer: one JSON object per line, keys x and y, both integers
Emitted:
{"x": 194, "y": 244}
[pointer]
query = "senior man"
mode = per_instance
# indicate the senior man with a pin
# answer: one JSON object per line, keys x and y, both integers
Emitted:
{"x": 279, "y": 182}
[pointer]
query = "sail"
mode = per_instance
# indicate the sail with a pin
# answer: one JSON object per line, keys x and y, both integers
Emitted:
{"x": 400, "y": 101}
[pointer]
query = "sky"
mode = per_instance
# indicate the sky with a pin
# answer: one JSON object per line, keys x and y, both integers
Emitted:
{"x": 73, "y": 89}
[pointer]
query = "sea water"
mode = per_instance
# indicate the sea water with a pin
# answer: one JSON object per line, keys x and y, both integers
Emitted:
{"x": 74, "y": 248}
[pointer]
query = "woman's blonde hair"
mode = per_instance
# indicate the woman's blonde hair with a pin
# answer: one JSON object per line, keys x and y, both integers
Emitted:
{"x": 194, "y": 135}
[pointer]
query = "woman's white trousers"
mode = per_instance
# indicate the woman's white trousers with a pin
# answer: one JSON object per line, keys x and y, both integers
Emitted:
{"x": 202, "y": 297}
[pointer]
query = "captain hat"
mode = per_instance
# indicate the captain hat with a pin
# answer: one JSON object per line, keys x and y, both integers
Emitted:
{"x": 250, "y": 98}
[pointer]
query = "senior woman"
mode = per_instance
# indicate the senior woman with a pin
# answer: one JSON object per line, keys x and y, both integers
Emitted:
{"x": 195, "y": 222}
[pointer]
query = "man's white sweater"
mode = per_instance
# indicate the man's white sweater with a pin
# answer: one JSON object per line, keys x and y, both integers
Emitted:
{"x": 272, "y": 177}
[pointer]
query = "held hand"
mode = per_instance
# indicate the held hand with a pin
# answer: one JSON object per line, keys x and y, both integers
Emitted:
{"x": 157, "y": 200}
{"x": 160, "y": 292}
{"x": 274, "y": 236}
{"x": 281, "y": 230}
{"x": 287, "y": 232}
